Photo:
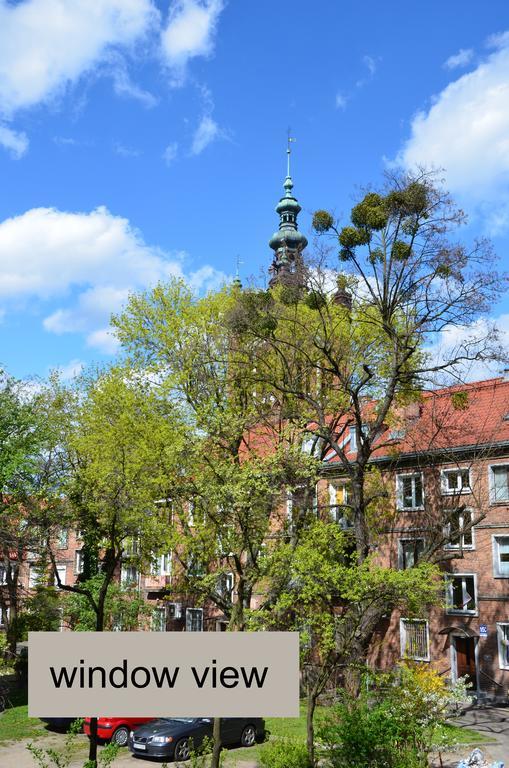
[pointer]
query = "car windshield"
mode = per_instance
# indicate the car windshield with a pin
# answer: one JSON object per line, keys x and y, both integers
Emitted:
{"x": 179, "y": 719}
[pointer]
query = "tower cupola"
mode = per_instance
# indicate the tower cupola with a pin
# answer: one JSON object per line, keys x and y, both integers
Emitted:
{"x": 287, "y": 243}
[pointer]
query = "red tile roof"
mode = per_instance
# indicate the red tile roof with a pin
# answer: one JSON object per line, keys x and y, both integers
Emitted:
{"x": 454, "y": 417}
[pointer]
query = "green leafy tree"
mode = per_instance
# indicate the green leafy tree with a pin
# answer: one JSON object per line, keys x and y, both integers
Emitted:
{"x": 124, "y": 448}
{"x": 224, "y": 506}
{"x": 328, "y": 595}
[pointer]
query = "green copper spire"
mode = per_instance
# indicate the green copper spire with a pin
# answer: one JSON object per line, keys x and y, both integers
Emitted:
{"x": 287, "y": 243}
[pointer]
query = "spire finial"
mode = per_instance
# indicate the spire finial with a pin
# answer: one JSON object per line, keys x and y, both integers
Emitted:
{"x": 237, "y": 282}
{"x": 289, "y": 151}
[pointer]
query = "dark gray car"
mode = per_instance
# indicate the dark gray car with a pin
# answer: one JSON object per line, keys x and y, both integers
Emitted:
{"x": 176, "y": 737}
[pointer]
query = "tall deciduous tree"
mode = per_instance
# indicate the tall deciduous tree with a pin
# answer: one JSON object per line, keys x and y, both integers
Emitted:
{"x": 237, "y": 475}
{"x": 125, "y": 452}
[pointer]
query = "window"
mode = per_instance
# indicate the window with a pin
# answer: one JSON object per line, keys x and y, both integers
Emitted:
{"x": 414, "y": 639}
{"x": 3, "y": 573}
{"x": 225, "y": 585}
{"x": 131, "y": 546}
{"x": 455, "y": 481}
{"x": 4, "y": 615}
{"x": 501, "y": 556}
{"x": 63, "y": 538}
{"x": 353, "y": 439}
{"x": 61, "y": 570}
{"x": 129, "y": 576}
{"x": 79, "y": 562}
{"x": 461, "y": 593}
{"x": 409, "y": 489}
{"x": 503, "y": 645}
{"x": 339, "y": 499}
{"x": 35, "y": 575}
{"x": 165, "y": 564}
{"x": 194, "y": 620}
{"x": 499, "y": 482}
{"x": 458, "y": 530}
{"x": 409, "y": 552}
{"x": 159, "y": 620}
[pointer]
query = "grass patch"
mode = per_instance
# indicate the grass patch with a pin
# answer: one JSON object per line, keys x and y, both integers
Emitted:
{"x": 459, "y": 735}
{"x": 295, "y": 728}
{"x": 15, "y": 724}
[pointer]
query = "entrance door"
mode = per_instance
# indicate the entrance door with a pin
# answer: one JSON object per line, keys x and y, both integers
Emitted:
{"x": 465, "y": 659}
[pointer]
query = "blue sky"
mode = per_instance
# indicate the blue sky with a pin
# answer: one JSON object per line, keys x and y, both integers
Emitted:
{"x": 142, "y": 138}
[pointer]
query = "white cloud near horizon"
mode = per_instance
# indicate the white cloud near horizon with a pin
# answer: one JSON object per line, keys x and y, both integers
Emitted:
{"x": 460, "y": 59}
{"x": 81, "y": 267}
{"x": 453, "y": 337}
{"x": 465, "y": 131}
{"x": 190, "y": 32}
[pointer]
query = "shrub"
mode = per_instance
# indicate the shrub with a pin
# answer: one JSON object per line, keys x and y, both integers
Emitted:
{"x": 392, "y": 724}
{"x": 284, "y": 753}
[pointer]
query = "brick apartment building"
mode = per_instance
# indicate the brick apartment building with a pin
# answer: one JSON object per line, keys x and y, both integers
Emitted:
{"x": 448, "y": 474}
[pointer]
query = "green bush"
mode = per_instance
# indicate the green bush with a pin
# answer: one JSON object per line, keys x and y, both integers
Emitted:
{"x": 393, "y": 723}
{"x": 284, "y": 753}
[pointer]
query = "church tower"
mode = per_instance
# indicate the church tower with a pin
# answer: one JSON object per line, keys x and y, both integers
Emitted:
{"x": 287, "y": 243}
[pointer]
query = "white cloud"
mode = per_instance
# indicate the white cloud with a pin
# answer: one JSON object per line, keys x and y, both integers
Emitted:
{"x": 460, "y": 59}
{"x": 85, "y": 264}
{"x": 170, "y": 153}
{"x": 48, "y": 44}
{"x": 70, "y": 370}
{"x": 207, "y": 132}
{"x": 370, "y": 63}
{"x": 340, "y": 101}
{"x": 124, "y": 86}
{"x": 466, "y": 132}
{"x": 123, "y": 151}
{"x": 189, "y": 33}
{"x": 104, "y": 341}
{"x": 15, "y": 143}
{"x": 454, "y": 337}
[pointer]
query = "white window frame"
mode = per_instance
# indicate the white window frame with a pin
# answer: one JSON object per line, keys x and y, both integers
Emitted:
{"x": 491, "y": 469}
{"x": 160, "y": 624}
{"x": 165, "y": 564}
{"x": 399, "y": 490}
{"x": 448, "y": 595}
{"x": 63, "y": 539}
{"x": 226, "y": 588}
{"x": 502, "y": 639}
{"x": 446, "y": 491}
{"x": 62, "y": 572}
{"x": 403, "y": 638}
{"x": 461, "y": 531}
{"x": 496, "y": 556}
{"x": 3, "y": 573}
{"x": 35, "y": 575}
{"x": 4, "y": 614}
{"x": 79, "y": 562}
{"x": 125, "y": 581}
{"x": 401, "y": 542}
{"x": 197, "y": 612}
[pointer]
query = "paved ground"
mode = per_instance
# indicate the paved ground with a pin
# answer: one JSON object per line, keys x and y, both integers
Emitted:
{"x": 494, "y": 724}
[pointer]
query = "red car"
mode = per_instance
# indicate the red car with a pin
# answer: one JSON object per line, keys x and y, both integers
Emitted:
{"x": 115, "y": 729}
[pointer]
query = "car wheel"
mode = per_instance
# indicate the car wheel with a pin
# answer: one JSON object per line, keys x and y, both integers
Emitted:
{"x": 121, "y": 736}
{"x": 182, "y": 750}
{"x": 248, "y": 737}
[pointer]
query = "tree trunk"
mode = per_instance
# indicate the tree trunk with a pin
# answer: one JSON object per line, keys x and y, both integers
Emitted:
{"x": 216, "y": 749}
{"x": 310, "y": 725}
{"x": 99, "y": 627}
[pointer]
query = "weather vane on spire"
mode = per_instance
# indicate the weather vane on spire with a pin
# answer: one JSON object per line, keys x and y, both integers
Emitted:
{"x": 238, "y": 262}
{"x": 289, "y": 150}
